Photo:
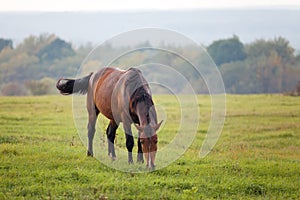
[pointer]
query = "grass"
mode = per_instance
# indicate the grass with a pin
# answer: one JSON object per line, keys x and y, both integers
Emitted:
{"x": 256, "y": 157}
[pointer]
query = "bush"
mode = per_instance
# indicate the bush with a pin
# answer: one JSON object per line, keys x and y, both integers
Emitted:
{"x": 298, "y": 88}
{"x": 14, "y": 89}
{"x": 41, "y": 87}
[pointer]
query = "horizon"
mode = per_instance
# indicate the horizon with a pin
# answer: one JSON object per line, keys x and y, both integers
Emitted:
{"x": 202, "y": 25}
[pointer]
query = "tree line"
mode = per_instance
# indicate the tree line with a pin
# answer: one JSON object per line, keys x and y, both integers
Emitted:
{"x": 263, "y": 66}
{"x": 32, "y": 67}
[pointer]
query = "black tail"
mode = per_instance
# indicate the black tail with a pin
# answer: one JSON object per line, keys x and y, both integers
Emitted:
{"x": 70, "y": 86}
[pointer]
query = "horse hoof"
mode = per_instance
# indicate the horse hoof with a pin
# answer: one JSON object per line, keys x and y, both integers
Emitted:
{"x": 140, "y": 158}
{"x": 150, "y": 168}
{"x": 130, "y": 162}
{"x": 113, "y": 157}
{"x": 89, "y": 154}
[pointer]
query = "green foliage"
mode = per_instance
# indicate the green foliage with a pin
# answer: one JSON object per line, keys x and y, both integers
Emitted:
{"x": 256, "y": 157}
{"x": 227, "y": 50}
{"x": 298, "y": 88}
{"x": 33, "y": 44}
{"x": 56, "y": 50}
{"x": 266, "y": 48}
{"x": 32, "y": 61}
{"x": 240, "y": 78}
{"x": 263, "y": 66}
{"x": 5, "y": 44}
{"x": 270, "y": 67}
{"x": 41, "y": 87}
{"x": 13, "y": 89}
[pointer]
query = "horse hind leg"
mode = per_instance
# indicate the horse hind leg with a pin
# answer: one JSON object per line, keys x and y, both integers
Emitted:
{"x": 111, "y": 134}
{"x": 91, "y": 133}
{"x": 91, "y": 130}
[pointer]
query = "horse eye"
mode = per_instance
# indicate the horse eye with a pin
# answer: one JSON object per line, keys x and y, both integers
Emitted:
{"x": 154, "y": 139}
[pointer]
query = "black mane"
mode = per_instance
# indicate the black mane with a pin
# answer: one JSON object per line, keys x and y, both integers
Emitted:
{"x": 138, "y": 96}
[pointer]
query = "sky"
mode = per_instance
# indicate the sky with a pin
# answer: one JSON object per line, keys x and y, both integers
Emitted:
{"x": 63, "y": 17}
{"x": 134, "y": 5}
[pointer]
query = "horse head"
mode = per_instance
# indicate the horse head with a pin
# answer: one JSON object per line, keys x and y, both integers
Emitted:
{"x": 148, "y": 138}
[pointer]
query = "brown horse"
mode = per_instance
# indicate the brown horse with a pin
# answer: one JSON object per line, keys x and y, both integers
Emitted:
{"x": 121, "y": 96}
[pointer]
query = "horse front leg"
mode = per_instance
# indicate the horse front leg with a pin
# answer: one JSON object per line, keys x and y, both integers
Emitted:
{"x": 129, "y": 141}
{"x": 111, "y": 134}
{"x": 140, "y": 157}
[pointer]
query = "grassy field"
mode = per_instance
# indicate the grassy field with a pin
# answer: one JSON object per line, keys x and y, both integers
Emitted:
{"x": 256, "y": 157}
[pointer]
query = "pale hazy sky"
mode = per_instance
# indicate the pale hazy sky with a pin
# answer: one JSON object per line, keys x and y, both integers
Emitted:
{"x": 134, "y": 5}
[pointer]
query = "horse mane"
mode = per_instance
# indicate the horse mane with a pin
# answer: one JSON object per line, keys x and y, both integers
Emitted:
{"x": 141, "y": 95}
{"x": 139, "y": 91}
{"x": 138, "y": 96}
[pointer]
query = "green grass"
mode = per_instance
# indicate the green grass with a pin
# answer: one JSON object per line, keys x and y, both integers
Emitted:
{"x": 256, "y": 157}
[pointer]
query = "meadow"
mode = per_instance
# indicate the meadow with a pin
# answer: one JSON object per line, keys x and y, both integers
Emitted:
{"x": 256, "y": 157}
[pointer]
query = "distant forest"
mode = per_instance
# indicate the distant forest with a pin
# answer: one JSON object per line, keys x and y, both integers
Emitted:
{"x": 263, "y": 66}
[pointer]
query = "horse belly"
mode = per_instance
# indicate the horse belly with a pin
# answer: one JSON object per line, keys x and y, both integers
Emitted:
{"x": 103, "y": 95}
{"x": 103, "y": 103}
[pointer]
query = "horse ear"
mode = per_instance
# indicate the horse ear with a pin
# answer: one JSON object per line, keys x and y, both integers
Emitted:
{"x": 156, "y": 127}
{"x": 140, "y": 129}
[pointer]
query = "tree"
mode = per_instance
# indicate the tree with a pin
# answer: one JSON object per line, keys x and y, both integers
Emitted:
{"x": 271, "y": 59}
{"x": 33, "y": 44}
{"x": 56, "y": 50}
{"x": 5, "y": 43}
{"x": 227, "y": 50}
{"x": 265, "y": 48}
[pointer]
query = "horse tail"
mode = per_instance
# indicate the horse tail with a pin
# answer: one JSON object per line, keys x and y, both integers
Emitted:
{"x": 71, "y": 86}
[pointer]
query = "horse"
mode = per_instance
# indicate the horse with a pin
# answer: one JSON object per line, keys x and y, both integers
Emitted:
{"x": 121, "y": 96}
